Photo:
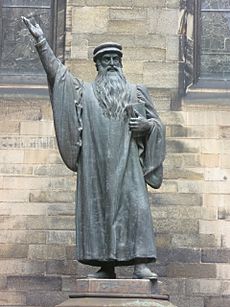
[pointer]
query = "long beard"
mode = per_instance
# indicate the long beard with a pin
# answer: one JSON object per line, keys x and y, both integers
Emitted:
{"x": 113, "y": 93}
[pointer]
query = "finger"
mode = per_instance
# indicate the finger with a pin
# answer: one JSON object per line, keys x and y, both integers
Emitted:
{"x": 137, "y": 113}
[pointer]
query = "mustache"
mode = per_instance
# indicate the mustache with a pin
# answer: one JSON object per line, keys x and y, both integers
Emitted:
{"x": 112, "y": 68}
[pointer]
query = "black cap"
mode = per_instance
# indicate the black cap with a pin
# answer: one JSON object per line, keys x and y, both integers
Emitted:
{"x": 107, "y": 47}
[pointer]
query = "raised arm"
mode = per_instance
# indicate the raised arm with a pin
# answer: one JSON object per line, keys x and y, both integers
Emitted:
{"x": 48, "y": 59}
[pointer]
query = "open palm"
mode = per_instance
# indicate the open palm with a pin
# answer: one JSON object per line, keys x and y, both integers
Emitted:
{"x": 35, "y": 30}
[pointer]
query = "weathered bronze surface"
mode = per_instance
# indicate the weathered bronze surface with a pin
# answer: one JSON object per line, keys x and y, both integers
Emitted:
{"x": 109, "y": 132}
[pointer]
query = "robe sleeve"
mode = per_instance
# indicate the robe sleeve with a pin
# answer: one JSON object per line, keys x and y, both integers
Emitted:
{"x": 65, "y": 94}
{"x": 153, "y": 153}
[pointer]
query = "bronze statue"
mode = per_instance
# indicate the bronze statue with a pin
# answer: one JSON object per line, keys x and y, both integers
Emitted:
{"x": 110, "y": 134}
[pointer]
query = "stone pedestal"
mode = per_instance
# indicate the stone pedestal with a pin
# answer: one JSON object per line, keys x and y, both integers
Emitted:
{"x": 117, "y": 293}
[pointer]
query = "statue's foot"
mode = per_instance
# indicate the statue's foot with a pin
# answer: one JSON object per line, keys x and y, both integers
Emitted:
{"x": 141, "y": 271}
{"x": 103, "y": 274}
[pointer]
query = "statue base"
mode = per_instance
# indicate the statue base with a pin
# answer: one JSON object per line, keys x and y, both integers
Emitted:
{"x": 117, "y": 293}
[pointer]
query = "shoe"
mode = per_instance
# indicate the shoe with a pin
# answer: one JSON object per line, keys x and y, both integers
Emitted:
{"x": 143, "y": 272}
{"x": 103, "y": 274}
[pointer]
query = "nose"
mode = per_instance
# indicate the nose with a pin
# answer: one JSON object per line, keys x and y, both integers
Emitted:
{"x": 111, "y": 61}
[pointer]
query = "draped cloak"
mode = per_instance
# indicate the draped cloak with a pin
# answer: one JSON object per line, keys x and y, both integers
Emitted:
{"x": 113, "y": 217}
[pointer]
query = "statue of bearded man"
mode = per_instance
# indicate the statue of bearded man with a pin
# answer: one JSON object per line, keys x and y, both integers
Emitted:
{"x": 110, "y": 134}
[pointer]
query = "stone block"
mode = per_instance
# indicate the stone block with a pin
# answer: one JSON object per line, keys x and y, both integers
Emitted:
{"x": 191, "y": 160}
{"x": 225, "y": 146}
{"x": 61, "y": 237}
{"x": 210, "y": 159}
{"x": 15, "y": 169}
{"x": 41, "y": 252}
{"x": 12, "y": 298}
{"x": 39, "y": 156}
{"x": 160, "y": 75}
{"x": 45, "y": 298}
{"x": 184, "y": 301}
{"x": 71, "y": 252}
{"x": 223, "y": 213}
{"x": 61, "y": 267}
{"x": 52, "y": 196}
{"x": 216, "y": 174}
{"x": 220, "y": 301}
{"x": 22, "y": 237}
{"x": 40, "y": 183}
{"x": 163, "y": 240}
{"x": 225, "y": 161}
{"x": 20, "y": 142}
{"x": 18, "y": 111}
{"x": 176, "y": 131}
{"x": 61, "y": 222}
{"x": 223, "y": 271}
{"x": 183, "y": 146}
{"x": 173, "y": 118}
{"x": 205, "y": 287}
{"x": 83, "y": 69}
{"x": 223, "y": 117}
{"x": 3, "y": 283}
{"x": 202, "y": 118}
{"x": 115, "y": 3}
{"x": 215, "y": 200}
{"x": 174, "y": 286}
{"x": 127, "y": 27}
{"x": 149, "y": 3}
{"x": 190, "y": 186}
{"x": 12, "y": 195}
{"x": 212, "y": 146}
{"x": 173, "y": 161}
{"x": 172, "y": 199}
{"x": 118, "y": 286}
{"x": 12, "y": 222}
{"x": 150, "y": 41}
{"x": 183, "y": 255}
{"x": 40, "y": 128}
{"x": 13, "y": 250}
{"x": 176, "y": 226}
{"x": 135, "y": 78}
{"x": 148, "y": 54}
{"x": 216, "y": 187}
{"x": 52, "y": 170}
{"x": 163, "y": 21}
{"x": 168, "y": 186}
{"x": 216, "y": 255}
{"x": 21, "y": 267}
{"x": 225, "y": 132}
{"x": 34, "y": 222}
{"x": 215, "y": 227}
{"x": 27, "y": 209}
{"x": 183, "y": 212}
{"x": 194, "y": 270}
{"x": 90, "y": 19}
{"x": 9, "y": 127}
{"x": 130, "y": 68}
{"x": 122, "y": 13}
{"x": 226, "y": 287}
{"x": 11, "y": 156}
{"x": 61, "y": 209}
{"x": 225, "y": 241}
{"x": 195, "y": 240}
{"x": 29, "y": 283}
{"x": 172, "y": 48}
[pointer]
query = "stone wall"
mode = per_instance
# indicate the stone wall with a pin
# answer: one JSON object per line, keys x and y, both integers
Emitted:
{"x": 190, "y": 210}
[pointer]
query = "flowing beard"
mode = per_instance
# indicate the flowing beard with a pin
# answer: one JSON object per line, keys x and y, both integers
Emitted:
{"x": 113, "y": 92}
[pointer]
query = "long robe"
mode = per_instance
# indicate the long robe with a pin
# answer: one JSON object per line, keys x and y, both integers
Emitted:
{"x": 113, "y": 217}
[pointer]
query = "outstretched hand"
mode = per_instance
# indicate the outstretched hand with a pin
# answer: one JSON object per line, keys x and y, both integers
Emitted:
{"x": 35, "y": 30}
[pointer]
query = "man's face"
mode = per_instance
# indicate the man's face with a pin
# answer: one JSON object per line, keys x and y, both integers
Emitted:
{"x": 110, "y": 62}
